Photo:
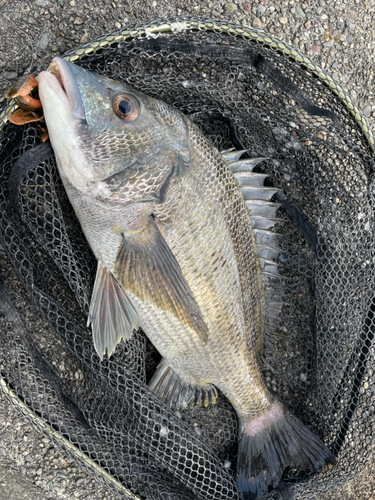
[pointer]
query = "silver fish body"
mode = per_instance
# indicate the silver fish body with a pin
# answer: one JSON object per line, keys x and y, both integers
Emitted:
{"x": 164, "y": 216}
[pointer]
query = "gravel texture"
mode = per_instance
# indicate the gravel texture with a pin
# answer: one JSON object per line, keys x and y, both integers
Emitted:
{"x": 13, "y": 486}
{"x": 32, "y": 468}
{"x": 339, "y": 35}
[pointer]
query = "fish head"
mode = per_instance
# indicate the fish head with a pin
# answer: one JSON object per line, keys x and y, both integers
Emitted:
{"x": 106, "y": 134}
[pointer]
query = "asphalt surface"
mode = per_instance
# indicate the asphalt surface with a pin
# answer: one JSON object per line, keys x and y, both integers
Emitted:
{"x": 340, "y": 35}
{"x": 13, "y": 486}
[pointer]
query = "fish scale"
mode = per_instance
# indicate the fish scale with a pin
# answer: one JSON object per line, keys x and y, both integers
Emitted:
{"x": 220, "y": 185}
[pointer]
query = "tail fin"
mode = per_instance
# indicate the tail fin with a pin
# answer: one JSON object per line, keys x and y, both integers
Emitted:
{"x": 271, "y": 443}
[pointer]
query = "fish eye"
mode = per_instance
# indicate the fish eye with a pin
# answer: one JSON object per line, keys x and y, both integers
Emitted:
{"x": 126, "y": 107}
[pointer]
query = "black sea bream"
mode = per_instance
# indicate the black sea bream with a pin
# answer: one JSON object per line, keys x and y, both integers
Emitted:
{"x": 166, "y": 220}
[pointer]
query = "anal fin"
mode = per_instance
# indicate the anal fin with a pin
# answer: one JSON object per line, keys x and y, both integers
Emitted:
{"x": 171, "y": 389}
{"x": 112, "y": 315}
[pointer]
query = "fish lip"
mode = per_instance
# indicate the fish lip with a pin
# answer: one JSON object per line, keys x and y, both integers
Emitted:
{"x": 62, "y": 72}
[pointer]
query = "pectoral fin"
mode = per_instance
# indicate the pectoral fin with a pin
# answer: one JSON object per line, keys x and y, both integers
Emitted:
{"x": 147, "y": 268}
{"x": 112, "y": 315}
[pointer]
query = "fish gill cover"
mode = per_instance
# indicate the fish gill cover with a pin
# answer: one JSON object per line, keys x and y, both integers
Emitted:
{"x": 244, "y": 91}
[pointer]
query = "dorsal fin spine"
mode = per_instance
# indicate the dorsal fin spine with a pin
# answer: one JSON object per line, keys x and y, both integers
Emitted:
{"x": 264, "y": 221}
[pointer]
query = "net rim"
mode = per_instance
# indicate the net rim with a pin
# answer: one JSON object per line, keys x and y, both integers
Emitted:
{"x": 185, "y": 23}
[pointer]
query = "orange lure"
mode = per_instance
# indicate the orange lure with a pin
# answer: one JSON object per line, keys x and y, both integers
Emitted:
{"x": 28, "y": 105}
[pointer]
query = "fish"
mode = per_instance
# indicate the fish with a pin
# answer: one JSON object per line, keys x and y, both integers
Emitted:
{"x": 165, "y": 215}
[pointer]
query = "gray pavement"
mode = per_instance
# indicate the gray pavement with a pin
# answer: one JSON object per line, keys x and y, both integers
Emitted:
{"x": 14, "y": 487}
{"x": 32, "y": 465}
{"x": 340, "y": 35}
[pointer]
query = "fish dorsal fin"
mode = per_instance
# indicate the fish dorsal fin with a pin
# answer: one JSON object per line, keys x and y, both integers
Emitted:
{"x": 262, "y": 210}
{"x": 171, "y": 389}
{"x": 264, "y": 221}
{"x": 146, "y": 267}
{"x": 112, "y": 315}
{"x": 232, "y": 157}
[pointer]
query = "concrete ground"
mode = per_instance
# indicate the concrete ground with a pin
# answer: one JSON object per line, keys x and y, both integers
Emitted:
{"x": 339, "y": 34}
{"x": 13, "y": 486}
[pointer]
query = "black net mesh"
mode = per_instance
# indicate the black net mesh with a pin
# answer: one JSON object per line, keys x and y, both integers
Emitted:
{"x": 242, "y": 94}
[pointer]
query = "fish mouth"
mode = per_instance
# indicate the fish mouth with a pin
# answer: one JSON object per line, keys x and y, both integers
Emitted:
{"x": 61, "y": 70}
